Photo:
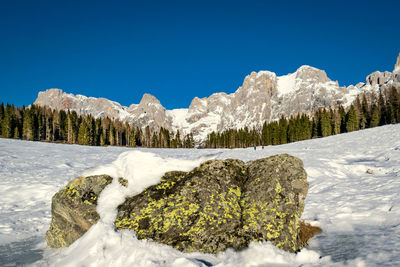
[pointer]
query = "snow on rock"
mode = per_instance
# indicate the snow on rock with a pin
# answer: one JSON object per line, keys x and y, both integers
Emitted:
{"x": 286, "y": 84}
{"x": 353, "y": 195}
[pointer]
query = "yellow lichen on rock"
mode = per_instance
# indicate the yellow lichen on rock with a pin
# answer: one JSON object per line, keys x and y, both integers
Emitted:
{"x": 221, "y": 204}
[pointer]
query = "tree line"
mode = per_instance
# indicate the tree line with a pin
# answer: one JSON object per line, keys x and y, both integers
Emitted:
{"x": 367, "y": 111}
{"x": 37, "y": 123}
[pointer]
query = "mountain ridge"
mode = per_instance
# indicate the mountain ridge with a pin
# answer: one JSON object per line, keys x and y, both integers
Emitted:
{"x": 263, "y": 96}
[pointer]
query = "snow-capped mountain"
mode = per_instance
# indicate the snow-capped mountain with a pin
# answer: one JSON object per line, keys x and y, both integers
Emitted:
{"x": 264, "y": 96}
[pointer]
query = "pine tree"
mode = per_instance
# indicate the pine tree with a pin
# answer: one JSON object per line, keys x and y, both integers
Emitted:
{"x": 325, "y": 124}
{"x": 132, "y": 139}
{"x": 18, "y": 112}
{"x": 178, "y": 139}
{"x": 72, "y": 127}
{"x": 91, "y": 124}
{"x": 292, "y": 130}
{"x": 147, "y": 136}
{"x": 138, "y": 137}
{"x": 63, "y": 125}
{"x": 266, "y": 134}
{"x": 191, "y": 140}
{"x": 351, "y": 120}
{"x": 394, "y": 102}
{"x": 315, "y": 128}
{"x": 1, "y": 118}
{"x": 362, "y": 121}
{"x": 28, "y": 126}
{"x": 305, "y": 127}
{"x": 375, "y": 117}
{"x": 283, "y": 124}
{"x": 17, "y": 134}
{"x": 8, "y": 125}
{"x": 342, "y": 114}
{"x": 154, "y": 141}
{"x": 336, "y": 118}
{"x": 49, "y": 125}
{"x": 366, "y": 110}
{"x": 275, "y": 133}
{"x": 56, "y": 125}
{"x": 84, "y": 133}
{"x": 112, "y": 135}
{"x": 41, "y": 131}
{"x": 383, "y": 110}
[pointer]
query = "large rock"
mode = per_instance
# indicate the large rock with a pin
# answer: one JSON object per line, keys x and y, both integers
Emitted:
{"x": 73, "y": 210}
{"x": 222, "y": 204}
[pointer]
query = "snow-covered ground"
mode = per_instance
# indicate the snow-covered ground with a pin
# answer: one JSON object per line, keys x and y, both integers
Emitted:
{"x": 354, "y": 196}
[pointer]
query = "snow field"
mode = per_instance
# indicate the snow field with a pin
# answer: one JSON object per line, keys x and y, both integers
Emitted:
{"x": 353, "y": 195}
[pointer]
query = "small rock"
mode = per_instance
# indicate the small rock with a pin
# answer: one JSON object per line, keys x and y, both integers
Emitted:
{"x": 123, "y": 181}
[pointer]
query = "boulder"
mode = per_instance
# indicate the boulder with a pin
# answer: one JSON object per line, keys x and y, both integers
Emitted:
{"x": 222, "y": 204}
{"x": 73, "y": 210}
{"x": 195, "y": 211}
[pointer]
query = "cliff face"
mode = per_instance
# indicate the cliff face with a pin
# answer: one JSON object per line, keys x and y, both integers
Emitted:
{"x": 396, "y": 71}
{"x": 264, "y": 96}
{"x": 397, "y": 66}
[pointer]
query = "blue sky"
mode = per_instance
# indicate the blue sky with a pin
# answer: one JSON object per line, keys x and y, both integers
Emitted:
{"x": 176, "y": 50}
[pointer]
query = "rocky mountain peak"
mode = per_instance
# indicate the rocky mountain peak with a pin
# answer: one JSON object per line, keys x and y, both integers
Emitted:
{"x": 45, "y": 98}
{"x": 198, "y": 104}
{"x": 150, "y": 112}
{"x": 149, "y": 99}
{"x": 258, "y": 77}
{"x": 308, "y": 73}
{"x": 54, "y": 92}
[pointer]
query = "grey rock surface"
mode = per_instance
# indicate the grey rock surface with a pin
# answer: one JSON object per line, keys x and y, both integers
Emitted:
{"x": 73, "y": 210}
{"x": 397, "y": 66}
{"x": 379, "y": 78}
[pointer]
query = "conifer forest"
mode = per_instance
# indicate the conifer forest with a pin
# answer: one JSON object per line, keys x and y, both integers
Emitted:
{"x": 43, "y": 124}
{"x": 367, "y": 111}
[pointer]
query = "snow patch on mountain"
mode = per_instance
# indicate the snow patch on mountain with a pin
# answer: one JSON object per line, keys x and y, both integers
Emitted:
{"x": 287, "y": 84}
